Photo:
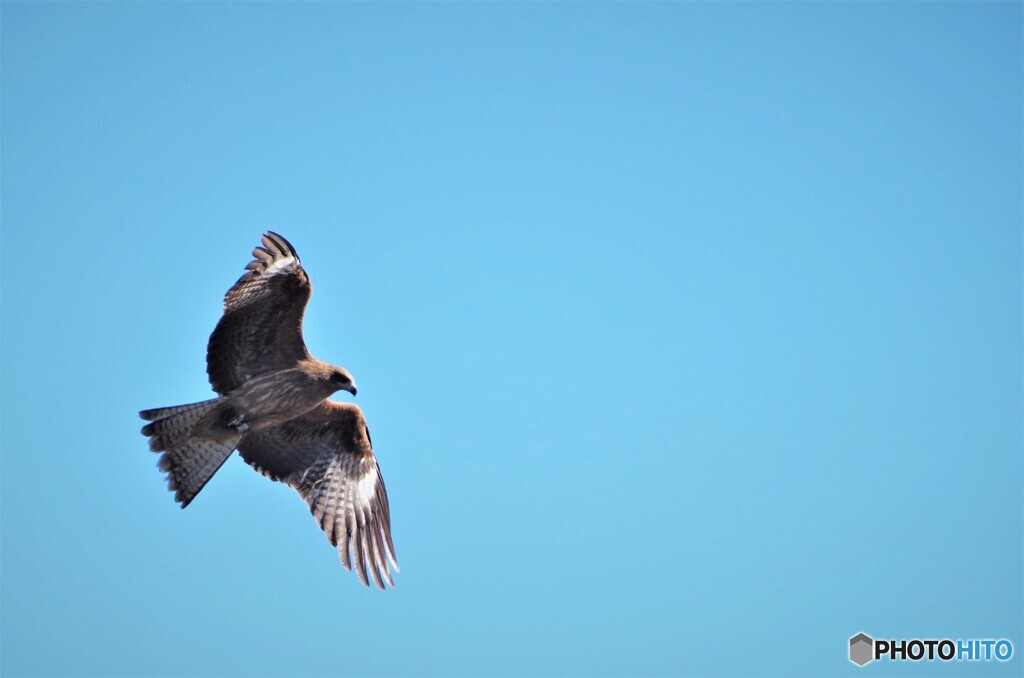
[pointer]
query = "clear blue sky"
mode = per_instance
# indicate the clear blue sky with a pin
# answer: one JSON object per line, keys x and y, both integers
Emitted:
{"x": 690, "y": 336}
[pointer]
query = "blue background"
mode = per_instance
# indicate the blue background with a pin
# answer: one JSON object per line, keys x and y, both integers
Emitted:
{"x": 689, "y": 335}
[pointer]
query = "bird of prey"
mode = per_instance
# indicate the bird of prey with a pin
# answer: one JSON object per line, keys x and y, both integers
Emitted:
{"x": 273, "y": 408}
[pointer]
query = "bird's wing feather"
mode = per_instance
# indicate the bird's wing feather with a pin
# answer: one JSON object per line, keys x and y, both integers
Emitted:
{"x": 261, "y": 329}
{"x": 325, "y": 455}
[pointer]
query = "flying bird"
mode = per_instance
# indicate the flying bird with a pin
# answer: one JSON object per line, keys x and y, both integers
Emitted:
{"x": 273, "y": 408}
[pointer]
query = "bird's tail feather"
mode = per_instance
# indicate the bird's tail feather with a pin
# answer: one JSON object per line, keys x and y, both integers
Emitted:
{"x": 189, "y": 462}
{"x": 171, "y": 426}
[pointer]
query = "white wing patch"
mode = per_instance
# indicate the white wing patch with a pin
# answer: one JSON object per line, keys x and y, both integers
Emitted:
{"x": 274, "y": 256}
{"x": 279, "y": 265}
{"x": 350, "y": 505}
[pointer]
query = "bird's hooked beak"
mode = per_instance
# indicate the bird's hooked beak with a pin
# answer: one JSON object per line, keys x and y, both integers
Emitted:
{"x": 351, "y": 388}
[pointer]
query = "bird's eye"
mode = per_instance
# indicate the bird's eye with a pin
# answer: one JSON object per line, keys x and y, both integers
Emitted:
{"x": 340, "y": 378}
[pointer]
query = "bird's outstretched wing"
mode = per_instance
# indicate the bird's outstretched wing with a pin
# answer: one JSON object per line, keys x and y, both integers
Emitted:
{"x": 326, "y": 456}
{"x": 261, "y": 329}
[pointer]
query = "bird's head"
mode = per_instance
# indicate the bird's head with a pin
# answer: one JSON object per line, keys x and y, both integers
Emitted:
{"x": 341, "y": 378}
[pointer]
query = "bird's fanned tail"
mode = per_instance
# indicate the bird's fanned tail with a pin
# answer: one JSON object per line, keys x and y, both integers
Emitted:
{"x": 190, "y": 466}
{"x": 189, "y": 461}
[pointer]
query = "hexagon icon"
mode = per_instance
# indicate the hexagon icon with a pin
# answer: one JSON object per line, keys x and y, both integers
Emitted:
{"x": 862, "y": 649}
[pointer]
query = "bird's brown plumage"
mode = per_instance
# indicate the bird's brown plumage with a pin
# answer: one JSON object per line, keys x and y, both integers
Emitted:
{"x": 325, "y": 455}
{"x": 261, "y": 329}
{"x": 273, "y": 409}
